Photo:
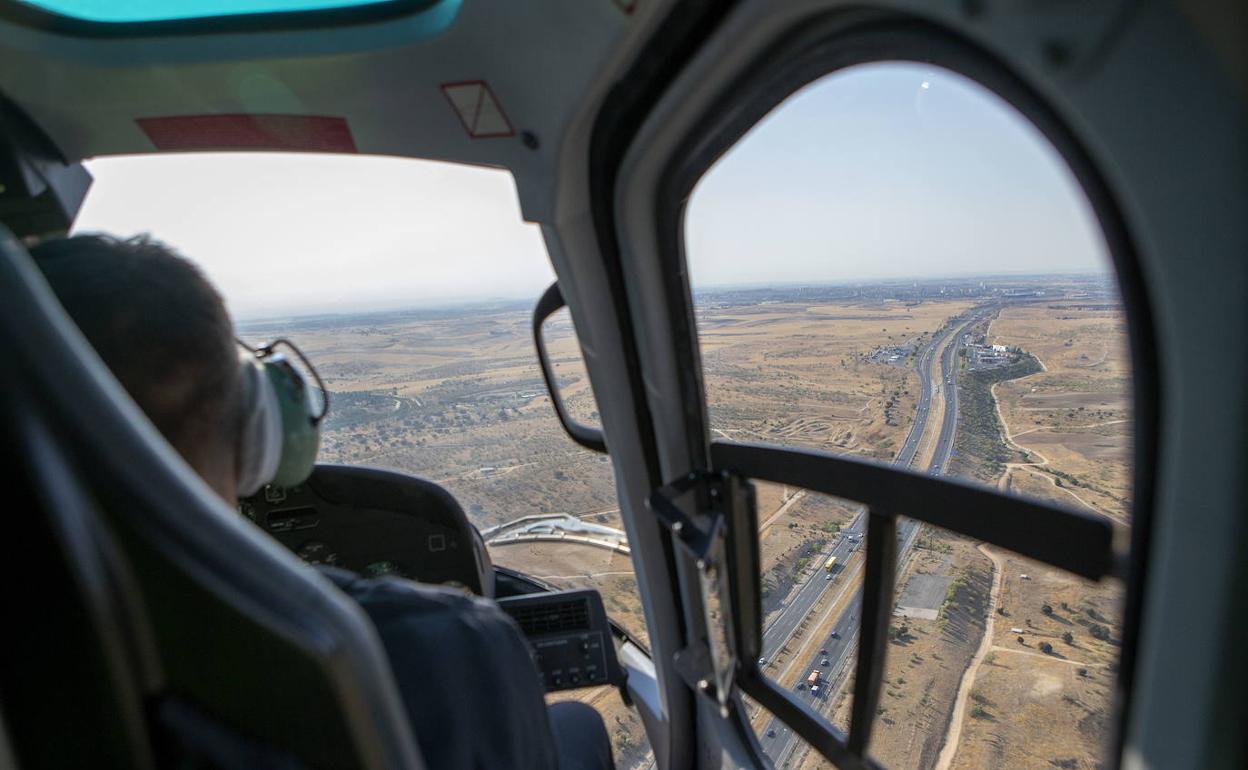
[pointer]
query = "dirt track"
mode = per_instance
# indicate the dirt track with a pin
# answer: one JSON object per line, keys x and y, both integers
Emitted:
{"x": 952, "y": 738}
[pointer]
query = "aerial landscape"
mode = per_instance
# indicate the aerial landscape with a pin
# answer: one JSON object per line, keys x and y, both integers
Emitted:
{"x": 1021, "y": 383}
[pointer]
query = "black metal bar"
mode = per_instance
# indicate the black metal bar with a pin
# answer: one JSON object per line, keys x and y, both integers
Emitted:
{"x": 744, "y": 573}
{"x": 1072, "y": 540}
{"x": 877, "y": 608}
{"x": 809, "y": 725}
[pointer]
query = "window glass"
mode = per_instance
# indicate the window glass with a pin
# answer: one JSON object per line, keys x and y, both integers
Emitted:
{"x": 410, "y": 286}
{"x": 894, "y": 264}
{"x": 812, "y": 549}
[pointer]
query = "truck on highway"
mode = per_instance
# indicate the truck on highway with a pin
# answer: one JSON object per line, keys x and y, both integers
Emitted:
{"x": 812, "y": 681}
{"x": 831, "y": 564}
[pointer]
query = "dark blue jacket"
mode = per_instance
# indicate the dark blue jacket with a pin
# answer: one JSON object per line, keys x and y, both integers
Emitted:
{"x": 464, "y": 672}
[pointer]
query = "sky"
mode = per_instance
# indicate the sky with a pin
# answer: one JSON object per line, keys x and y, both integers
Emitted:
{"x": 889, "y": 171}
{"x": 881, "y": 171}
{"x": 284, "y": 234}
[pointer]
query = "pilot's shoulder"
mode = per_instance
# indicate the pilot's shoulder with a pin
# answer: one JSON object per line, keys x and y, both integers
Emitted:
{"x": 389, "y": 600}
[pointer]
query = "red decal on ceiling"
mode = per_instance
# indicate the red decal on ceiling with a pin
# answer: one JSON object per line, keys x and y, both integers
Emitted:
{"x": 302, "y": 133}
{"x": 478, "y": 109}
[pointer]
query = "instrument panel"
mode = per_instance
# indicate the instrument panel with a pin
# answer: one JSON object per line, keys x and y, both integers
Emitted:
{"x": 570, "y": 638}
{"x": 375, "y": 523}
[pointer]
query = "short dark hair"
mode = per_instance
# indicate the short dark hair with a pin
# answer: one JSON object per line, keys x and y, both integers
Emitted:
{"x": 159, "y": 325}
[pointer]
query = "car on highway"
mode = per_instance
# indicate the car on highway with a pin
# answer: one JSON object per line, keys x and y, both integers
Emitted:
{"x": 835, "y": 635}
{"x": 771, "y": 732}
{"x": 823, "y": 652}
{"x": 823, "y": 662}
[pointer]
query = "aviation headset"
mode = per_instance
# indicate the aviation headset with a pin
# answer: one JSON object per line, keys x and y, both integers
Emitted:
{"x": 281, "y": 418}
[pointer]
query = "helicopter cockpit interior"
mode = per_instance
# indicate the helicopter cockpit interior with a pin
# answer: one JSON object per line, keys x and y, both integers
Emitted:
{"x": 809, "y": 384}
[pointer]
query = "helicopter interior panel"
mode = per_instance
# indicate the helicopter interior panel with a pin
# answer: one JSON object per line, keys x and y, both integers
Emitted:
{"x": 379, "y": 523}
{"x": 375, "y": 523}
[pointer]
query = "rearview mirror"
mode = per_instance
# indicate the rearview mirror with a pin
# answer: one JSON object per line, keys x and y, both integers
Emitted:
{"x": 587, "y": 436}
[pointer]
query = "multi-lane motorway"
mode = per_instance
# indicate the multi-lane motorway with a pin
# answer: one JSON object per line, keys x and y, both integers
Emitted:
{"x": 777, "y": 740}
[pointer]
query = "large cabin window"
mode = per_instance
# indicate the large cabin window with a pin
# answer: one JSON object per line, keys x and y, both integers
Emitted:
{"x": 894, "y": 264}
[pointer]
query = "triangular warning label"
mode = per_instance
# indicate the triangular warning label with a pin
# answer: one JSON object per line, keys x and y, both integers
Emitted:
{"x": 478, "y": 109}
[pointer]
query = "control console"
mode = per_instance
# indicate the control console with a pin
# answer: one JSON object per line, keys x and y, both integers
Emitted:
{"x": 570, "y": 637}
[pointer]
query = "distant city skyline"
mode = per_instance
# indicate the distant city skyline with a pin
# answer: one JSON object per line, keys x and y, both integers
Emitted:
{"x": 878, "y": 173}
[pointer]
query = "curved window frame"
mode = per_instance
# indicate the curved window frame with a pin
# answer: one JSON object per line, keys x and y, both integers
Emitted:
{"x": 829, "y": 43}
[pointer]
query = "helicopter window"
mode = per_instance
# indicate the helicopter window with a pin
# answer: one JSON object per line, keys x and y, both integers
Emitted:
{"x": 896, "y": 265}
{"x": 410, "y": 286}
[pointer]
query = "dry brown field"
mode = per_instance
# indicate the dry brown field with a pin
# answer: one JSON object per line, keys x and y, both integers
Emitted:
{"x": 1027, "y": 717}
{"x": 1073, "y": 418}
{"x": 457, "y": 397}
{"x": 798, "y": 374}
{"x": 1071, "y": 424}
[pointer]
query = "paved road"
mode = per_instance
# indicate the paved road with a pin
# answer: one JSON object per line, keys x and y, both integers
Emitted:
{"x": 777, "y": 740}
{"x": 804, "y": 597}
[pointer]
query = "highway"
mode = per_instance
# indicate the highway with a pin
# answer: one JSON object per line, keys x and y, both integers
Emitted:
{"x": 777, "y": 740}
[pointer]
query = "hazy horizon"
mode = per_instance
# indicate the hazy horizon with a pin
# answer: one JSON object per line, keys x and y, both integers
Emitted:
{"x": 890, "y": 172}
{"x": 518, "y": 304}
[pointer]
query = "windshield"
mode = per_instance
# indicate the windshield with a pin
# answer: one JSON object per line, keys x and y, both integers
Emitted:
{"x": 410, "y": 285}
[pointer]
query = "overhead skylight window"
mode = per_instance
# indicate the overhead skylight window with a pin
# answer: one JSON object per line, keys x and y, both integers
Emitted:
{"x": 138, "y": 11}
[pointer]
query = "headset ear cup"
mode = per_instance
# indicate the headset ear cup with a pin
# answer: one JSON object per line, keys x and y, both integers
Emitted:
{"x": 261, "y": 435}
{"x": 301, "y": 437}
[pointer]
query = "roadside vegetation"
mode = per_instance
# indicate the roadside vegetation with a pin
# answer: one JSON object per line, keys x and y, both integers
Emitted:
{"x": 980, "y": 451}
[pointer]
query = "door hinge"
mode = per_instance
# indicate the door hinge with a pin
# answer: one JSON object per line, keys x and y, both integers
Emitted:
{"x": 705, "y": 534}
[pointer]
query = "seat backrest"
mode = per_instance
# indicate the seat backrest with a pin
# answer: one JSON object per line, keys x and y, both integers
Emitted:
{"x": 159, "y": 625}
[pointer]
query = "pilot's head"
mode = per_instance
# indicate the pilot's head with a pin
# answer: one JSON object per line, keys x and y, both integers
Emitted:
{"x": 163, "y": 330}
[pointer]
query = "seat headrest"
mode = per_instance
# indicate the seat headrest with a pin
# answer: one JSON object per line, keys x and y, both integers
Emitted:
{"x": 151, "y": 494}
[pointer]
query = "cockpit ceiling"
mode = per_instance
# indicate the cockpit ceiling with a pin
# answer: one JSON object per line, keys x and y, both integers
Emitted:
{"x": 491, "y": 82}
